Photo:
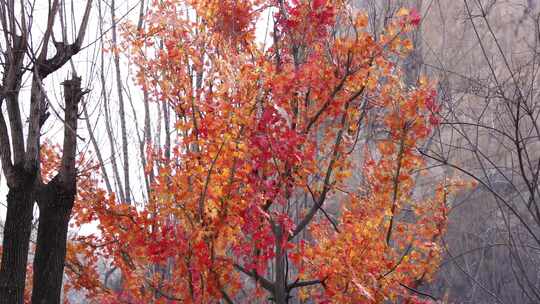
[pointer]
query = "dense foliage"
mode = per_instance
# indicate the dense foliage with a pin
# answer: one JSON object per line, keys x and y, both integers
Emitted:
{"x": 294, "y": 167}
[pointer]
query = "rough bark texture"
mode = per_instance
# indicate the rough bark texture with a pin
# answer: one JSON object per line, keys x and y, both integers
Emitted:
{"x": 55, "y": 206}
{"x": 281, "y": 293}
{"x": 19, "y": 212}
{"x": 16, "y": 238}
{"x": 55, "y": 202}
{"x": 20, "y": 160}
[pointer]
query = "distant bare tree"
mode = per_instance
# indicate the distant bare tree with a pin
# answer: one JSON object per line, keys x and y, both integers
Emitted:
{"x": 490, "y": 133}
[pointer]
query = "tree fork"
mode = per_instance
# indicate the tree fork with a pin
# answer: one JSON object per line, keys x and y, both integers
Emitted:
{"x": 55, "y": 203}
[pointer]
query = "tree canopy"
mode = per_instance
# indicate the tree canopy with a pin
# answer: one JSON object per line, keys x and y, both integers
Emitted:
{"x": 294, "y": 161}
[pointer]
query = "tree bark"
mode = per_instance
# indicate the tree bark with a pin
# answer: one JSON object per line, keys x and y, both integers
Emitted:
{"x": 55, "y": 203}
{"x": 17, "y": 230}
{"x": 122, "y": 112}
{"x": 20, "y": 162}
{"x": 281, "y": 294}
{"x": 108, "y": 122}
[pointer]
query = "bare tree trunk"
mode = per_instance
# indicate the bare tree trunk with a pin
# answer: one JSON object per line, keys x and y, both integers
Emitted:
{"x": 16, "y": 241}
{"x": 167, "y": 122}
{"x": 122, "y": 112}
{"x": 18, "y": 223}
{"x": 147, "y": 139}
{"x": 98, "y": 151}
{"x": 116, "y": 175}
{"x": 55, "y": 202}
{"x": 281, "y": 294}
{"x": 22, "y": 170}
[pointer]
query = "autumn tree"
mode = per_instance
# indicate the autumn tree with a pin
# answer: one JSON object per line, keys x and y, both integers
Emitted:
{"x": 294, "y": 164}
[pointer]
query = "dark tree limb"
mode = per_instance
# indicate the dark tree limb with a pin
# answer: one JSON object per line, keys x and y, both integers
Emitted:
{"x": 55, "y": 203}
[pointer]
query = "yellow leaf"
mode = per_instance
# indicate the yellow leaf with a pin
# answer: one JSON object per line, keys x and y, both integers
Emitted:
{"x": 402, "y": 12}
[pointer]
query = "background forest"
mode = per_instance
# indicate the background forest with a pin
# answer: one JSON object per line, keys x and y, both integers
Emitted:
{"x": 270, "y": 151}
